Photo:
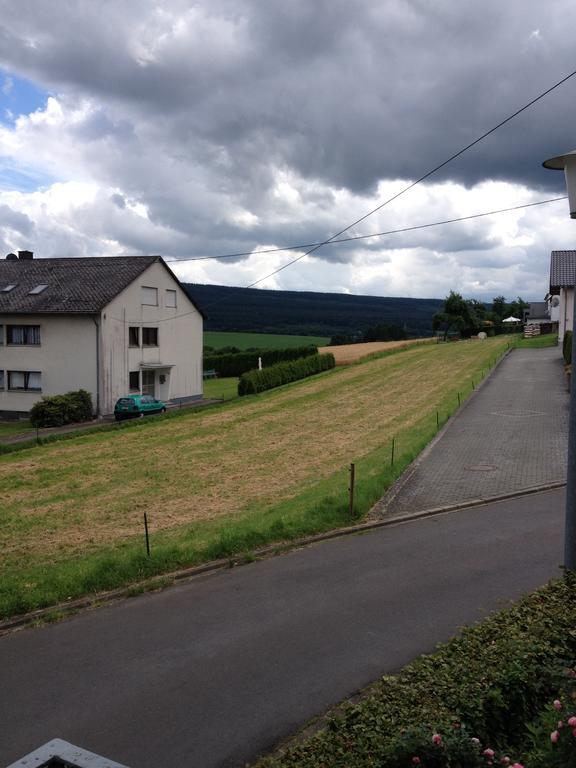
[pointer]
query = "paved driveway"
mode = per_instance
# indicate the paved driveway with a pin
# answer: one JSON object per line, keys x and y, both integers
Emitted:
{"x": 510, "y": 436}
{"x": 216, "y": 671}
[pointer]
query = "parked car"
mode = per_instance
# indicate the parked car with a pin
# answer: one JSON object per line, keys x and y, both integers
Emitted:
{"x": 135, "y": 406}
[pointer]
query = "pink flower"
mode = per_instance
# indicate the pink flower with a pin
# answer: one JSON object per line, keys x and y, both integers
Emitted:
{"x": 489, "y": 753}
{"x": 572, "y": 722}
{"x": 437, "y": 739}
{"x": 517, "y": 765}
{"x": 557, "y": 704}
{"x": 505, "y": 760}
{"x": 415, "y": 760}
{"x": 475, "y": 741}
{"x": 554, "y": 736}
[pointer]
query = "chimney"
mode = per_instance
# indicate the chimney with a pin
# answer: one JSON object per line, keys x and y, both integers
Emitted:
{"x": 11, "y": 257}
{"x": 25, "y": 255}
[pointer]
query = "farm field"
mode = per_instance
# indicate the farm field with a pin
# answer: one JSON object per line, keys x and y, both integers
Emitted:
{"x": 345, "y": 354}
{"x": 220, "y": 481}
{"x": 219, "y": 339}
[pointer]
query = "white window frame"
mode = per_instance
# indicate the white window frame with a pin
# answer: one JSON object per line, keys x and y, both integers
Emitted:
{"x": 26, "y": 381}
{"x": 25, "y": 332}
{"x": 150, "y": 328}
{"x": 146, "y": 297}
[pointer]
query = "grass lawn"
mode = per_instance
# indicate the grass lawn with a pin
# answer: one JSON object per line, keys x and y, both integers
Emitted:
{"x": 225, "y": 389}
{"x": 546, "y": 340}
{"x": 9, "y": 428}
{"x": 218, "y": 482}
{"x": 218, "y": 339}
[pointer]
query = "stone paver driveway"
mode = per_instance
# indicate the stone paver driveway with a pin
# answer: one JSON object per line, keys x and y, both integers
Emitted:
{"x": 509, "y": 437}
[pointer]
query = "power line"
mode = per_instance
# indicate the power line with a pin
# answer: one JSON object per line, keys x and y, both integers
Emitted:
{"x": 414, "y": 183}
{"x": 365, "y": 237}
{"x": 348, "y": 239}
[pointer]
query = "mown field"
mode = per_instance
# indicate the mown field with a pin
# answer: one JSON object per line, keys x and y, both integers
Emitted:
{"x": 219, "y": 339}
{"x": 345, "y": 354}
{"x": 220, "y": 481}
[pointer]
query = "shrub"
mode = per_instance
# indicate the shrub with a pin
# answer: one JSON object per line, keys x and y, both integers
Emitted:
{"x": 494, "y": 679}
{"x": 567, "y": 347}
{"x": 236, "y": 364}
{"x": 62, "y": 409}
{"x": 283, "y": 373}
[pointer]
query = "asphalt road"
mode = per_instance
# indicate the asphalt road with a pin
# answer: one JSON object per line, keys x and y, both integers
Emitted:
{"x": 216, "y": 671}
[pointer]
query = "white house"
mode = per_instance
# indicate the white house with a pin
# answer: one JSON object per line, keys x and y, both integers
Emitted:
{"x": 108, "y": 325}
{"x": 561, "y": 295}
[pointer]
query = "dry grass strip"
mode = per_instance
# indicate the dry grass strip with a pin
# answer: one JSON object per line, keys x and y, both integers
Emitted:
{"x": 345, "y": 354}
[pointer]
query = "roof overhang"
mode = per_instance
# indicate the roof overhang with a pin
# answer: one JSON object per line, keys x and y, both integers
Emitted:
{"x": 155, "y": 366}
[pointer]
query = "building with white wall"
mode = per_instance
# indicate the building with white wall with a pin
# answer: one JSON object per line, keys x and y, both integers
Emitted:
{"x": 108, "y": 325}
{"x": 561, "y": 295}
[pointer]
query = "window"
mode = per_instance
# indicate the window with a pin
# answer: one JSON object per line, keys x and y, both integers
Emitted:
{"x": 1, "y": 334}
{"x": 150, "y": 296}
{"x": 8, "y": 288}
{"x": 170, "y": 298}
{"x": 25, "y": 381}
{"x": 1, "y": 379}
{"x": 23, "y": 334}
{"x": 134, "y": 381}
{"x": 149, "y": 337}
{"x": 133, "y": 336}
{"x": 37, "y": 289}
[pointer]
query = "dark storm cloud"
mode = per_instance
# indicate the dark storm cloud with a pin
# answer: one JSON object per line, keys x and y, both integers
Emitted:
{"x": 348, "y": 93}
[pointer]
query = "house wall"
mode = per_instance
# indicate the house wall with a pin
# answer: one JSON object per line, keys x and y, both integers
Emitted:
{"x": 566, "y": 310}
{"x": 65, "y": 358}
{"x": 179, "y": 347}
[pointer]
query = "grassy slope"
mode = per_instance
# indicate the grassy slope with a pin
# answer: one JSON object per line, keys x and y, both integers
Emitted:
{"x": 214, "y": 483}
{"x": 224, "y": 389}
{"x": 218, "y": 339}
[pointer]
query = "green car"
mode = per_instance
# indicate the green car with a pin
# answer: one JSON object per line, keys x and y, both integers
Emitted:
{"x": 135, "y": 406}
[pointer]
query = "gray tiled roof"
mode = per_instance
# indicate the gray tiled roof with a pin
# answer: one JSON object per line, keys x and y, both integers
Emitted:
{"x": 538, "y": 310}
{"x": 76, "y": 285}
{"x": 562, "y": 269}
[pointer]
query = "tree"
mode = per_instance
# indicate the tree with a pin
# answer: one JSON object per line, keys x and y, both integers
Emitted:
{"x": 517, "y": 308}
{"x": 466, "y": 317}
{"x": 500, "y": 307}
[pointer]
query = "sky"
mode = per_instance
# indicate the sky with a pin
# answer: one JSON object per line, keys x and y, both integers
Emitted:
{"x": 195, "y": 129}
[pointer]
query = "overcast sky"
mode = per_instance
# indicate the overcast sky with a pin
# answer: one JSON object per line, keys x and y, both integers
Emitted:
{"x": 203, "y": 128}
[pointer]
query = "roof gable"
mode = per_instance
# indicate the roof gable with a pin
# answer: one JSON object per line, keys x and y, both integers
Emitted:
{"x": 74, "y": 285}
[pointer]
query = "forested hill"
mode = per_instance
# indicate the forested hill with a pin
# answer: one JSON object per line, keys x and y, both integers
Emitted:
{"x": 296, "y": 312}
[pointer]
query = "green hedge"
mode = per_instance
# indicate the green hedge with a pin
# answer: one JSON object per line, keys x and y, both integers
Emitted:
{"x": 239, "y": 363}
{"x": 567, "y": 347}
{"x": 283, "y": 373}
{"x": 493, "y": 680}
{"x": 62, "y": 409}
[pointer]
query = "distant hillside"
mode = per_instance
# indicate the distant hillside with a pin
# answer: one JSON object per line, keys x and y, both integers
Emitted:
{"x": 296, "y": 312}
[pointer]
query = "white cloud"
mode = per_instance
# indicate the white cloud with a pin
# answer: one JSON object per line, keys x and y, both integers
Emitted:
{"x": 233, "y": 125}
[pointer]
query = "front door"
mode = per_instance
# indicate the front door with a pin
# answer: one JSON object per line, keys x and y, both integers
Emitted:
{"x": 148, "y": 380}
